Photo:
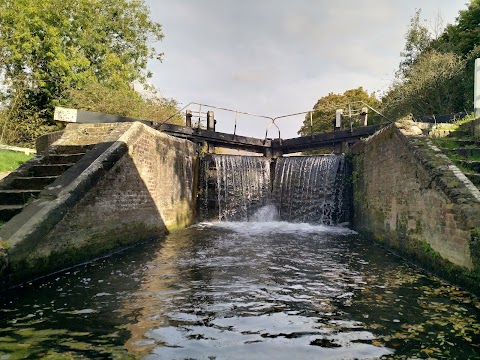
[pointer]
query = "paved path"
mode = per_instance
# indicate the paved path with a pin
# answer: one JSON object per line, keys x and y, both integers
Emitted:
{"x": 3, "y": 174}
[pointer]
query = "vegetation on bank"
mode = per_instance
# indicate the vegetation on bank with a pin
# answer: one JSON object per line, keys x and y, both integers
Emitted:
{"x": 84, "y": 54}
{"x": 10, "y": 160}
{"x": 435, "y": 75}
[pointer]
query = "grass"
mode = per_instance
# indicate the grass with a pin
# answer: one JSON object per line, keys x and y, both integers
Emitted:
{"x": 10, "y": 160}
{"x": 455, "y": 157}
{"x": 453, "y": 143}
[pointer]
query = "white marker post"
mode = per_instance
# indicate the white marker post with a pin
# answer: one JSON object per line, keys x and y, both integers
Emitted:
{"x": 338, "y": 119}
{"x": 338, "y": 125}
{"x": 364, "y": 116}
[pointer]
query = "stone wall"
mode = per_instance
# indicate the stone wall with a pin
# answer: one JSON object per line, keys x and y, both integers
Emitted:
{"x": 86, "y": 134}
{"x": 140, "y": 187}
{"x": 411, "y": 197}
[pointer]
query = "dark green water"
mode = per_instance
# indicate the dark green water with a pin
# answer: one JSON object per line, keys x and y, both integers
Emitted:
{"x": 243, "y": 291}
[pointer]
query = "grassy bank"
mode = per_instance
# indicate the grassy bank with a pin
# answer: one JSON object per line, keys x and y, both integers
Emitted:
{"x": 10, "y": 160}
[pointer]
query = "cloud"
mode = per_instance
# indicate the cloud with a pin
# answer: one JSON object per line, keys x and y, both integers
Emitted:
{"x": 280, "y": 56}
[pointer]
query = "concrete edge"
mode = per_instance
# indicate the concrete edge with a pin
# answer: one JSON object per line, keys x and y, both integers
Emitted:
{"x": 26, "y": 151}
{"x": 44, "y": 141}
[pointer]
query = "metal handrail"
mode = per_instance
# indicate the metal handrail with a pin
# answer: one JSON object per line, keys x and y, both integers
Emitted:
{"x": 274, "y": 119}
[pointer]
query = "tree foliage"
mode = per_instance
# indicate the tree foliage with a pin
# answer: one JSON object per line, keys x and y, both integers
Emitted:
{"x": 124, "y": 102}
{"x": 49, "y": 47}
{"x": 324, "y": 110}
{"x": 417, "y": 39}
{"x": 434, "y": 84}
{"x": 436, "y": 75}
{"x": 464, "y": 36}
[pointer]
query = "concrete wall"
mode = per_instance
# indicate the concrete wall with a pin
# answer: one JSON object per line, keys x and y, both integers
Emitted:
{"x": 141, "y": 186}
{"x": 411, "y": 197}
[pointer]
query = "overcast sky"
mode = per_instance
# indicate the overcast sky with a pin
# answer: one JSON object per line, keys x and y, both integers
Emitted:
{"x": 276, "y": 57}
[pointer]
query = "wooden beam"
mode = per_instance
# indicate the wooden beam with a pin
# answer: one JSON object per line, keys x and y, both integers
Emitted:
{"x": 323, "y": 140}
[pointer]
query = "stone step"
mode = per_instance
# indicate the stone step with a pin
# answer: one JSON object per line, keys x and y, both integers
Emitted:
{"x": 442, "y": 133}
{"x": 466, "y": 152}
{"x": 472, "y": 165}
{"x": 31, "y": 183}
{"x": 62, "y": 158}
{"x": 9, "y": 211}
{"x": 70, "y": 149}
{"x": 459, "y": 143}
{"x": 49, "y": 169}
{"x": 17, "y": 197}
{"x": 474, "y": 178}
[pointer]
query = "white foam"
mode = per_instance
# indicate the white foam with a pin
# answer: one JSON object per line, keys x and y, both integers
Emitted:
{"x": 277, "y": 227}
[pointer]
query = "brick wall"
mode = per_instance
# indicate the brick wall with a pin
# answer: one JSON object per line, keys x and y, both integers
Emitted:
{"x": 410, "y": 196}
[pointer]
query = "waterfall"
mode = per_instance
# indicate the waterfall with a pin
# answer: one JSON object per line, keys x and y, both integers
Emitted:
{"x": 297, "y": 189}
{"x": 241, "y": 186}
{"x": 310, "y": 189}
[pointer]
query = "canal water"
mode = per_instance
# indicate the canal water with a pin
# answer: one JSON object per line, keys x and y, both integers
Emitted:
{"x": 243, "y": 290}
{"x": 273, "y": 277}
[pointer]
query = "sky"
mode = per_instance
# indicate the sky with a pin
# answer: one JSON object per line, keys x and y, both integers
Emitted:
{"x": 278, "y": 57}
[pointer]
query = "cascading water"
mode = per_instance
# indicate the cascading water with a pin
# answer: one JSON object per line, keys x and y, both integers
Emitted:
{"x": 238, "y": 187}
{"x": 303, "y": 189}
{"x": 310, "y": 189}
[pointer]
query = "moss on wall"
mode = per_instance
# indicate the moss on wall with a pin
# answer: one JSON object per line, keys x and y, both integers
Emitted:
{"x": 475, "y": 247}
{"x": 410, "y": 197}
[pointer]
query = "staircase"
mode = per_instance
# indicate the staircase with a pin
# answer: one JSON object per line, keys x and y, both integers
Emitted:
{"x": 464, "y": 151}
{"x": 24, "y": 185}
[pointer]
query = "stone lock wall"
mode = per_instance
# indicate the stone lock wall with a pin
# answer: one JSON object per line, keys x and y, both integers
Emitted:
{"x": 140, "y": 187}
{"x": 411, "y": 197}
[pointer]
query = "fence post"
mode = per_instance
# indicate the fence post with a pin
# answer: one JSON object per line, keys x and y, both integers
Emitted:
{"x": 338, "y": 126}
{"x": 188, "y": 118}
{"x": 338, "y": 119}
{"x": 210, "y": 121}
{"x": 364, "y": 116}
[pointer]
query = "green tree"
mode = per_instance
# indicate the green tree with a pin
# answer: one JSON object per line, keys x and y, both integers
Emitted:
{"x": 436, "y": 75}
{"x": 125, "y": 102}
{"x": 48, "y": 47}
{"x": 463, "y": 39}
{"x": 324, "y": 110}
{"x": 463, "y": 36}
{"x": 433, "y": 85}
{"x": 418, "y": 39}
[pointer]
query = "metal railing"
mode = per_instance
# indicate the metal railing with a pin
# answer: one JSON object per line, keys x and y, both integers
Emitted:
{"x": 352, "y": 111}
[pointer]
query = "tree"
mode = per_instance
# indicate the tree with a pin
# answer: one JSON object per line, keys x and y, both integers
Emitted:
{"x": 463, "y": 36}
{"x": 125, "y": 102}
{"x": 324, "y": 110}
{"x": 48, "y": 47}
{"x": 433, "y": 85}
{"x": 463, "y": 39}
{"x": 418, "y": 39}
{"x": 436, "y": 75}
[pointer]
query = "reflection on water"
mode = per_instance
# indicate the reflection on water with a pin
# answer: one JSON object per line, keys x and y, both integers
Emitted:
{"x": 269, "y": 290}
